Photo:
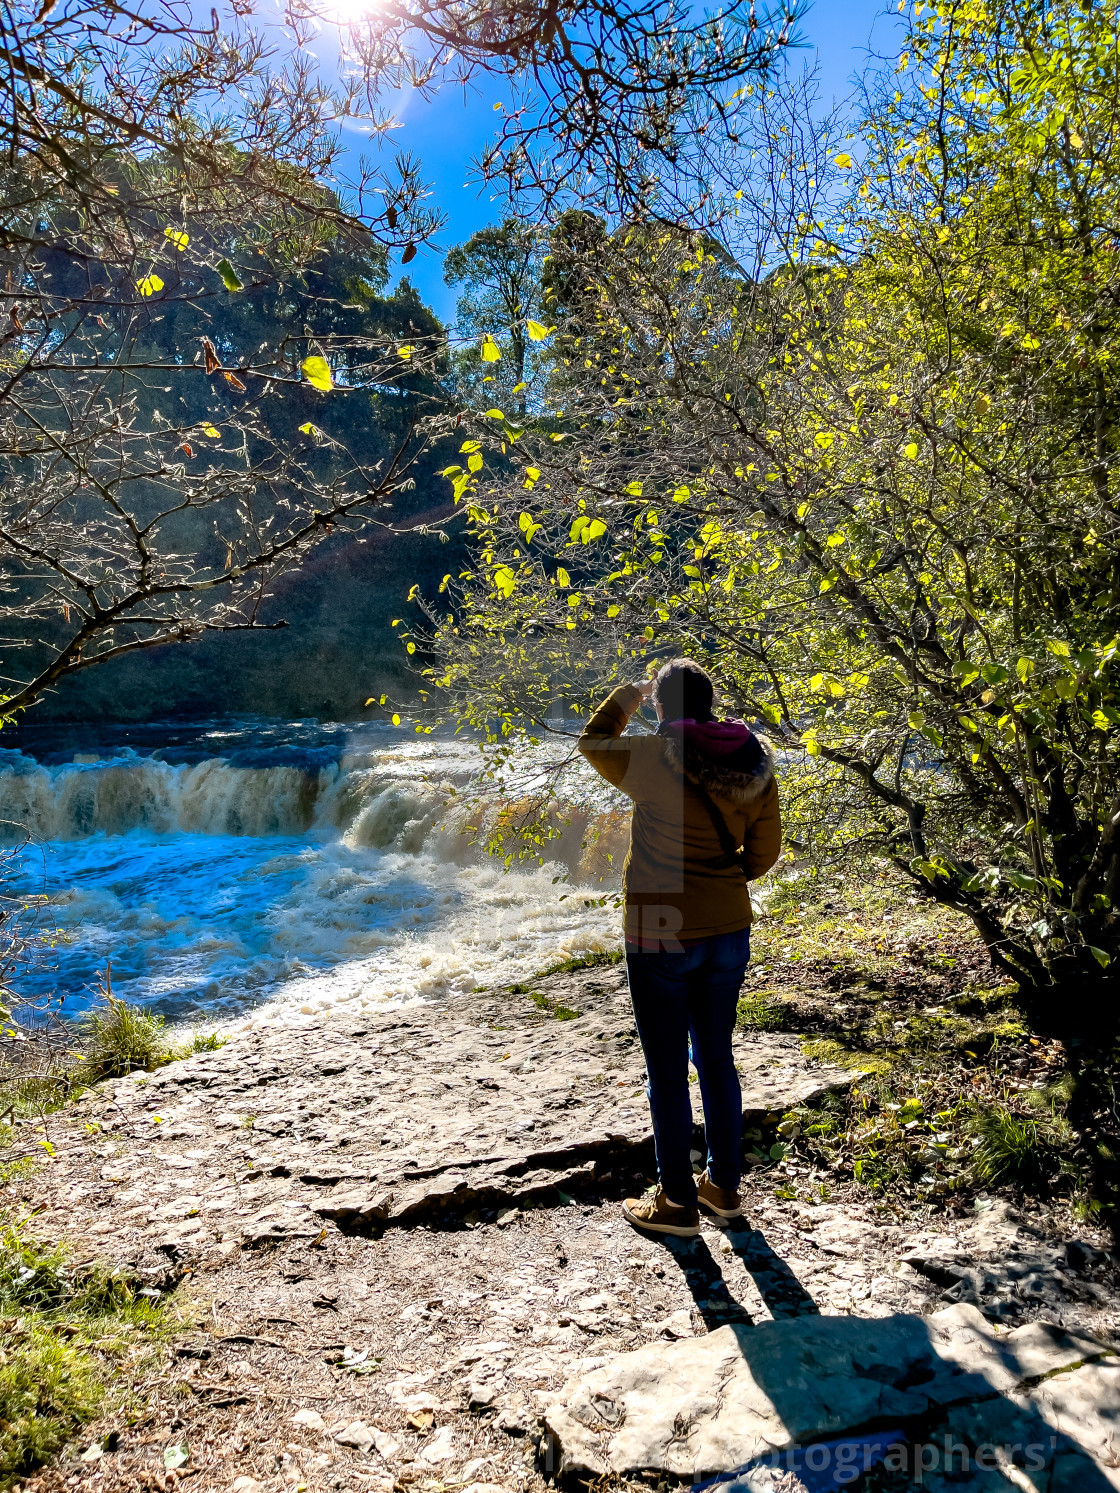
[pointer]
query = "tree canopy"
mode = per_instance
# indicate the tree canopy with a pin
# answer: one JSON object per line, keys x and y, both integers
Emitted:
{"x": 861, "y": 458}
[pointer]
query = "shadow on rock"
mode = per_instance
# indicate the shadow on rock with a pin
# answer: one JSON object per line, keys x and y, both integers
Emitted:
{"x": 980, "y": 1409}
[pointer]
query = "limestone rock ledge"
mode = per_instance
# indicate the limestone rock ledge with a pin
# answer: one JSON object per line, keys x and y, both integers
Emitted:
{"x": 718, "y": 1403}
{"x": 379, "y": 1120}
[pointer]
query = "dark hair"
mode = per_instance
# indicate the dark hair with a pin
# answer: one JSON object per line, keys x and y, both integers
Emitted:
{"x": 683, "y": 690}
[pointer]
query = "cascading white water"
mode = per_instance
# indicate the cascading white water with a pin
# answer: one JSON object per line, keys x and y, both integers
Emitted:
{"x": 289, "y": 881}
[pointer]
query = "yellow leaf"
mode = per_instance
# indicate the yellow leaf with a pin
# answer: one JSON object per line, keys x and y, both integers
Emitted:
{"x": 537, "y": 332}
{"x": 317, "y": 372}
{"x": 178, "y": 238}
{"x": 406, "y": 351}
{"x": 309, "y": 429}
{"x": 844, "y": 160}
{"x": 149, "y": 285}
{"x": 371, "y": 701}
{"x": 474, "y": 461}
{"x": 494, "y": 415}
{"x": 983, "y": 404}
{"x": 212, "y": 431}
{"x": 910, "y": 450}
{"x": 396, "y": 720}
{"x": 491, "y": 352}
{"x": 823, "y": 439}
{"x": 562, "y": 577}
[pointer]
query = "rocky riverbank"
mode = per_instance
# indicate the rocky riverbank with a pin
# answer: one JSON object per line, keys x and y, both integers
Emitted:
{"x": 397, "y": 1243}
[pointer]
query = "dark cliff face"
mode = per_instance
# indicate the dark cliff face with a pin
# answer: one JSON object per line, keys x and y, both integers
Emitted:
{"x": 337, "y": 649}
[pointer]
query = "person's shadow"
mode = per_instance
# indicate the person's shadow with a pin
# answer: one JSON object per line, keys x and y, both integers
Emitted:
{"x": 782, "y": 1292}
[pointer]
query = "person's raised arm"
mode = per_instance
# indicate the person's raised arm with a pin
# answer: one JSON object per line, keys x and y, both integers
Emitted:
{"x": 599, "y": 741}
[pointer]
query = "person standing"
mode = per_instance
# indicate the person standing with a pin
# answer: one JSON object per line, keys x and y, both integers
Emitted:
{"x": 705, "y": 822}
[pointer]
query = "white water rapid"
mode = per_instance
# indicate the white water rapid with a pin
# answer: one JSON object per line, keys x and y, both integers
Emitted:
{"x": 251, "y": 870}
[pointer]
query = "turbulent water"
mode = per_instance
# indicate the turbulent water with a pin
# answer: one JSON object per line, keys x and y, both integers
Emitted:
{"x": 277, "y": 870}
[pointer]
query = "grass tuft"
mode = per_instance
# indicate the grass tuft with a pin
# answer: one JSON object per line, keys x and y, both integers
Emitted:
{"x": 591, "y": 960}
{"x": 121, "y": 1038}
{"x": 1013, "y": 1147}
{"x": 760, "y": 1013}
{"x": 205, "y": 1042}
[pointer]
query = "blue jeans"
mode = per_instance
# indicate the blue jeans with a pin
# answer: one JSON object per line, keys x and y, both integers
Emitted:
{"x": 684, "y": 1000}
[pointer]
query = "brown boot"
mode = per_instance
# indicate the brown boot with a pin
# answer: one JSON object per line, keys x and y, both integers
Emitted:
{"x": 718, "y": 1200}
{"x": 657, "y": 1215}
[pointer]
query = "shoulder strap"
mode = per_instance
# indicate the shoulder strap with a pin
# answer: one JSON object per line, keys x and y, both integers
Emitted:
{"x": 732, "y": 854}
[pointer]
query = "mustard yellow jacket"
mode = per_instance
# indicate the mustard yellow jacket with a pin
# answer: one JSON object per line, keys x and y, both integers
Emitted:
{"x": 675, "y": 886}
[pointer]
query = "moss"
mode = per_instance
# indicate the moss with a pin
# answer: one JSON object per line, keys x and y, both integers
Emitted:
{"x": 825, "y": 1050}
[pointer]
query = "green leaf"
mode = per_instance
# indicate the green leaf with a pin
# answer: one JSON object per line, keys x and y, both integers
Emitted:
{"x": 175, "y": 1455}
{"x": 317, "y": 372}
{"x": 505, "y": 579}
{"x": 595, "y": 530}
{"x": 1103, "y": 959}
{"x": 494, "y": 415}
{"x": 230, "y": 278}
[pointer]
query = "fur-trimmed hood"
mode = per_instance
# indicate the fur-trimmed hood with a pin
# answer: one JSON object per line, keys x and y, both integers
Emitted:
{"x": 725, "y": 757}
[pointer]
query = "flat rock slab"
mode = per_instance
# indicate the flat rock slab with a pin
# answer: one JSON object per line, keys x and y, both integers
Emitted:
{"x": 735, "y": 1397}
{"x": 486, "y": 1100}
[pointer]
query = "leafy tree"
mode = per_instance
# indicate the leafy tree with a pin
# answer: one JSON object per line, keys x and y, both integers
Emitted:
{"x": 874, "y": 484}
{"x": 157, "y": 168}
{"x": 500, "y": 309}
{"x": 163, "y": 464}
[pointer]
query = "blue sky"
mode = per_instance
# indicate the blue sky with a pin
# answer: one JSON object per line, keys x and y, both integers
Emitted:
{"x": 447, "y": 132}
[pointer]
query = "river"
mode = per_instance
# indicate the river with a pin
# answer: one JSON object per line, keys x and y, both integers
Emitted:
{"x": 255, "y": 870}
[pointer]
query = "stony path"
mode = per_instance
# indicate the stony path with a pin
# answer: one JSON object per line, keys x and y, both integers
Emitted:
{"x": 402, "y": 1244}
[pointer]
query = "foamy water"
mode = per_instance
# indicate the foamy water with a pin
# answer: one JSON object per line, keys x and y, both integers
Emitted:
{"x": 236, "y": 874}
